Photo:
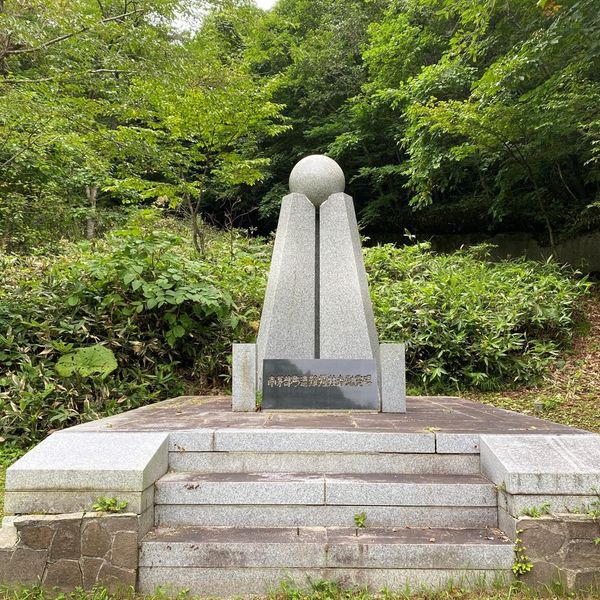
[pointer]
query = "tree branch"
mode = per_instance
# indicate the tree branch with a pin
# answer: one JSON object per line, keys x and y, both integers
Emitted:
{"x": 66, "y": 36}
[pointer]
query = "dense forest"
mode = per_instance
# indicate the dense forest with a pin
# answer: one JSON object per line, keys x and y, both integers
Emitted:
{"x": 446, "y": 115}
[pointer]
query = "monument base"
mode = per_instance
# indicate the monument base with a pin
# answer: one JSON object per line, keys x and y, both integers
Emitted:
{"x": 239, "y": 502}
{"x": 319, "y": 384}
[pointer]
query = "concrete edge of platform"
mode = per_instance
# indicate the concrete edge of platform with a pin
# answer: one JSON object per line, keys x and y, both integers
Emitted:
{"x": 69, "y": 471}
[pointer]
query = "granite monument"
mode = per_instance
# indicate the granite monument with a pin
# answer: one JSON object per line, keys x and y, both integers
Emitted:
{"x": 317, "y": 345}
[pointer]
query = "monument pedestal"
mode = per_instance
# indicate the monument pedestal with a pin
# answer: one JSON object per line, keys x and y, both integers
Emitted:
{"x": 240, "y": 502}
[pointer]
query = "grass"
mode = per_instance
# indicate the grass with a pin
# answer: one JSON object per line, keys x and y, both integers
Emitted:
{"x": 570, "y": 392}
{"x": 319, "y": 590}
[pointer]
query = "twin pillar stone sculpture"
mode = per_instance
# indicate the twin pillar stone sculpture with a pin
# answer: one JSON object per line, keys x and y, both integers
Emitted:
{"x": 317, "y": 346}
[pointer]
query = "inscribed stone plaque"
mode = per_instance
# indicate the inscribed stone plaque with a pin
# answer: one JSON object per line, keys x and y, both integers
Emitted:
{"x": 320, "y": 384}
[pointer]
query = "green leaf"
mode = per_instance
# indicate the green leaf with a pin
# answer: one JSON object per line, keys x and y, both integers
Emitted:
{"x": 86, "y": 362}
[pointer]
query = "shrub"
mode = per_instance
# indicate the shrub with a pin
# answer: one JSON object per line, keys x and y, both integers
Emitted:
{"x": 167, "y": 316}
{"x": 468, "y": 322}
{"x": 139, "y": 317}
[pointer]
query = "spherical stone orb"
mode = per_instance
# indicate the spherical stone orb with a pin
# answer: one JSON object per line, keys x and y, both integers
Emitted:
{"x": 317, "y": 177}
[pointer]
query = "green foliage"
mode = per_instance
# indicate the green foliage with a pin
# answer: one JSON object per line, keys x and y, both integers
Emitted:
{"x": 482, "y": 115}
{"x": 86, "y": 362}
{"x": 110, "y": 102}
{"x": 536, "y": 512}
{"x": 522, "y": 563}
{"x": 168, "y": 317}
{"x": 467, "y": 322}
{"x": 111, "y": 505}
{"x": 360, "y": 520}
{"x": 592, "y": 509}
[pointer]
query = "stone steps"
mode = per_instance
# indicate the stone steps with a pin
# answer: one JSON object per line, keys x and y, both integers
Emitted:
{"x": 252, "y": 561}
{"x": 241, "y": 510}
{"x": 338, "y": 489}
{"x": 328, "y": 462}
{"x": 326, "y": 500}
{"x": 214, "y": 515}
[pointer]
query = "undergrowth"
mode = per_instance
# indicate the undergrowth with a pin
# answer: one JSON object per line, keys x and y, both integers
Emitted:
{"x": 319, "y": 590}
{"x": 157, "y": 320}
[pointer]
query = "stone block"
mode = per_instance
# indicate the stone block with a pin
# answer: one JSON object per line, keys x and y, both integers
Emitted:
{"x": 581, "y": 553}
{"x": 543, "y": 536}
{"x": 232, "y": 547}
{"x": 287, "y": 324}
{"x": 347, "y": 324}
{"x": 197, "y": 440}
{"x": 244, "y": 582}
{"x": 585, "y": 579}
{"x": 90, "y": 567}
{"x": 244, "y": 386}
{"x": 542, "y": 464}
{"x": 8, "y": 533}
{"x": 116, "y": 578}
{"x": 66, "y": 543}
{"x": 457, "y": 443}
{"x": 517, "y": 504}
{"x": 582, "y": 527}
{"x": 407, "y": 490}
{"x": 36, "y": 536}
{"x": 507, "y": 524}
{"x": 393, "y": 378}
{"x": 317, "y": 440}
{"x": 124, "y": 552}
{"x": 64, "y": 575}
{"x": 146, "y": 522}
{"x": 238, "y": 488}
{"x": 412, "y": 549}
{"x": 26, "y": 566}
{"x": 326, "y": 516}
{"x": 95, "y": 540}
{"x": 544, "y": 574}
{"x": 114, "y": 523}
{"x": 69, "y": 501}
{"x": 91, "y": 461}
{"x": 320, "y": 462}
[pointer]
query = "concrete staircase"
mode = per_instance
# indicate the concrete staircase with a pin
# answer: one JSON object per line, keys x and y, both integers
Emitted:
{"x": 238, "y": 521}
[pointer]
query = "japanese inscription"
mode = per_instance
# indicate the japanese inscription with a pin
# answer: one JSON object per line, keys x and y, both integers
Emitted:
{"x": 320, "y": 384}
{"x": 319, "y": 380}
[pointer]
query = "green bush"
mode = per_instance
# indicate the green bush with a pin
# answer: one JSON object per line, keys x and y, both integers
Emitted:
{"x": 139, "y": 317}
{"x": 167, "y": 316}
{"x": 470, "y": 323}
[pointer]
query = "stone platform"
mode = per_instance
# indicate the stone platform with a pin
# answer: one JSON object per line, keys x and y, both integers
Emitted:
{"x": 228, "y": 503}
{"x": 435, "y": 415}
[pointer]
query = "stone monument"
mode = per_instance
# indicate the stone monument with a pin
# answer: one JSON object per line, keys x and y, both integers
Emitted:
{"x": 317, "y": 345}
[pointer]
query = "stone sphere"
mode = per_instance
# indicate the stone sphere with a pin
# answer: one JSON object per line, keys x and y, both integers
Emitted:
{"x": 317, "y": 177}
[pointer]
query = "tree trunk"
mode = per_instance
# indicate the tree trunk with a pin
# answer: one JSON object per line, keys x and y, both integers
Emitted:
{"x": 91, "y": 191}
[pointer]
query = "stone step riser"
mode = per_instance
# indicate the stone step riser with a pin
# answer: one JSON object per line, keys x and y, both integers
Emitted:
{"x": 248, "y": 582}
{"x": 301, "y": 440}
{"x": 318, "y": 490}
{"x": 317, "y": 555}
{"x": 330, "y": 462}
{"x": 324, "y": 516}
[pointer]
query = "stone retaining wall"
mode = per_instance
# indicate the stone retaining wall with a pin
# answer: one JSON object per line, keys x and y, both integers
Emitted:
{"x": 69, "y": 551}
{"x": 562, "y": 549}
